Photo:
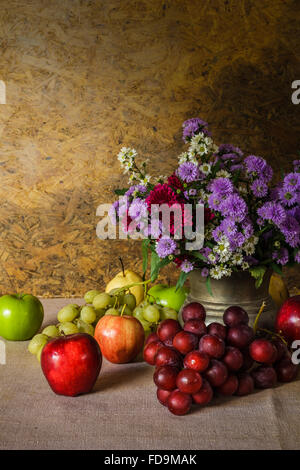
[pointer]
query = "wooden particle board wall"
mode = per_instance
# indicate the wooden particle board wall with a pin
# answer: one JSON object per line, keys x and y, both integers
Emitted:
{"x": 84, "y": 77}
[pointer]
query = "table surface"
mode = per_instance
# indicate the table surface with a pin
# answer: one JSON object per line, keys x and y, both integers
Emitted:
{"x": 122, "y": 412}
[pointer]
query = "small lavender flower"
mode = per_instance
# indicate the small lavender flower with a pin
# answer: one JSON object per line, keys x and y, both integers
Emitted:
{"x": 228, "y": 149}
{"x": 165, "y": 247}
{"x": 255, "y": 164}
{"x": 188, "y": 172}
{"x": 138, "y": 209}
{"x": 234, "y": 206}
{"x": 139, "y": 188}
{"x": 292, "y": 180}
{"x": 192, "y": 127}
{"x": 288, "y": 196}
{"x": 214, "y": 202}
{"x": 259, "y": 188}
{"x": 272, "y": 211}
{"x": 186, "y": 266}
{"x": 204, "y": 272}
{"x": 291, "y": 230}
{"x": 221, "y": 187}
{"x": 281, "y": 256}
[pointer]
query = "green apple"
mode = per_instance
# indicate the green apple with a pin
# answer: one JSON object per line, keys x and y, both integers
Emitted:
{"x": 21, "y": 316}
{"x": 168, "y": 296}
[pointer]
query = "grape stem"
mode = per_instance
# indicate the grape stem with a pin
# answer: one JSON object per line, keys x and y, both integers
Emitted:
{"x": 123, "y": 309}
{"x": 262, "y": 307}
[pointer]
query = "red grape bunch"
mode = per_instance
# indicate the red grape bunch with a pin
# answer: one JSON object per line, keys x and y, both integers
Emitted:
{"x": 199, "y": 361}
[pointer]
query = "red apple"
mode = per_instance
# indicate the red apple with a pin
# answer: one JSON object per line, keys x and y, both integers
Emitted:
{"x": 288, "y": 319}
{"x": 71, "y": 363}
{"x": 120, "y": 338}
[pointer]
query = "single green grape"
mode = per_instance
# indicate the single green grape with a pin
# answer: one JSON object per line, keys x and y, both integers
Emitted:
{"x": 37, "y": 342}
{"x": 102, "y": 300}
{"x": 151, "y": 314}
{"x": 138, "y": 313}
{"x": 90, "y": 295}
{"x": 167, "y": 312}
{"x": 88, "y": 314}
{"x": 126, "y": 311}
{"x": 130, "y": 300}
{"x": 51, "y": 331}
{"x": 68, "y": 313}
{"x": 84, "y": 327}
{"x": 39, "y": 353}
{"x": 67, "y": 328}
{"x": 112, "y": 311}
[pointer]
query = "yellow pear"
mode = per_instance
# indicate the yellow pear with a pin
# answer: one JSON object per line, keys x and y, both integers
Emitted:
{"x": 278, "y": 290}
{"x": 123, "y": 279}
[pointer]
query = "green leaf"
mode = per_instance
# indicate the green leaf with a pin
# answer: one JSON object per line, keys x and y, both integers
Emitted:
{"x": 120, "y": 192}
{"x": 198, "y": 255}
{"x": 276, "y": 268}
{"x": 208, "y": 286}
{"x": 156, "y": 264}
{"x": 181, "y": 280}
{"x": 145, "y": 244}
{"x": 258, "y": 273}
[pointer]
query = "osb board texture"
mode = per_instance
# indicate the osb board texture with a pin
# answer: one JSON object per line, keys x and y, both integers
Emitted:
{"x": 85, "y": 77}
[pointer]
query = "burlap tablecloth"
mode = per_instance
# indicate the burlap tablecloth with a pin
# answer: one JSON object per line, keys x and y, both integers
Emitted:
{"x": 123, "y": 412}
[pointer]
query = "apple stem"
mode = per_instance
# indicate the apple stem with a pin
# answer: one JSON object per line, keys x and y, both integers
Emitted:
{"x": 122, "y": 266}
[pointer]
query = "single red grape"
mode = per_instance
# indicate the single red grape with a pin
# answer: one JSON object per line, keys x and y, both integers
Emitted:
{"x": 150, "y": 351}
{"x": 196, "y": 360}
{"x": 189, "y": 381}
{"x": 262, "y": 350}
{"x": 281, "y": 348}
{"x": 193, "y": 310}
{"x": 179, "y": 403}
{"x": 264, "y": 377}
{"x": 229, "y": 387}
{"x": 246, "y": 384}
{"x": 205, "y": 394}
{"x": 167, "y": 329}
{"x": 167, "y": 357}
{"x": 185, "y": 342}
{"x": 217, "y": 329}
{"x": 286, "y": 370}
{"x": 235, "y": 315}
{"x": 165, "y": 377}
{"x": 233, "y": 358}
{"x": 240, "y": 336}
{"x": 216, "y": 374}
{"x": 163, "y": 395}
{"x": 151, "y": 338}
{"x": 212, "y": 345}
{"x": 195, "y": 326}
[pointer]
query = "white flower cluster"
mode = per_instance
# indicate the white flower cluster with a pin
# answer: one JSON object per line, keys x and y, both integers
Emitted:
{"x": 127, "y": 157}
{"x": 200, "y": 146}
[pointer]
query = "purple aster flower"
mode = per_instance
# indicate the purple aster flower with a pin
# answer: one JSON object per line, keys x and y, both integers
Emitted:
{"x": 234, "y": 206}
{"x": 221, "y": 187}
{"x": 228, "y": 226}
{"x": 188, "y": 172}
{"x": 229, "y": 149}
{"x": 236, "y": 240}
{"x": 217, "y": 233}
{"x": 260, "y": 221}
{"x": 291, "y": 230}
{"x": 272, "y": 211}
{"x": 229, "y": 157}
{"x": 247, "y": 227}
{"x": 214, "y": 202}
{"x": 266, "y": 174}
{"x": 294, "y": 212}
{"x": 204, "y": 272}
{"x": 288, "y": 196}
{"x": 281, "y": 256}
{"x": 138, "y": 209}
{"x": 186, "y": 266}
{"x": 192, "y": 127}
{"x": 296, "y": 164}
{"x": 297, "y": 257}
{"x": 291, "y": 180}
{"x": 165, "y": 247}
{"x": 259, "y": 188}
{"x": 255, "y": 164}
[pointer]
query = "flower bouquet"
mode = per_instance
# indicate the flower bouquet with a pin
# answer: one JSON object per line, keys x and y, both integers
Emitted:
{"x": 248, "y": 223}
